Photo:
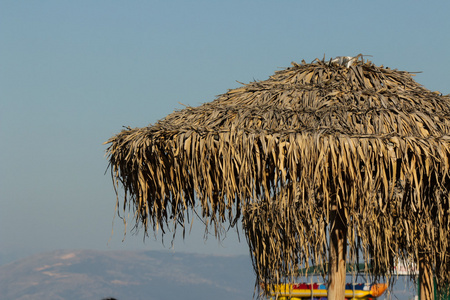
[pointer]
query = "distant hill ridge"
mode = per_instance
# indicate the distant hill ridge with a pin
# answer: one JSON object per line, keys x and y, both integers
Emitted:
{"x": 126, "y": 275}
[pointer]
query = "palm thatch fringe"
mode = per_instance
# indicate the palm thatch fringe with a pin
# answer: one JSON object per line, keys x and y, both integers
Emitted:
{"x": 280, "y": 153}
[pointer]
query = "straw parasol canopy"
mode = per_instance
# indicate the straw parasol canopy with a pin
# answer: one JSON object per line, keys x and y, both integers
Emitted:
{"x": 338, "y": 152}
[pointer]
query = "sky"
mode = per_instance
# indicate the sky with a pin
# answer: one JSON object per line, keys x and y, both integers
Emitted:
{"x": 73, "y": 73}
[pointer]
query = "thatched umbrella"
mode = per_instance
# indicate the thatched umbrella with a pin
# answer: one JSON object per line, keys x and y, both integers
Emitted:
{"x": 338, "y": 148}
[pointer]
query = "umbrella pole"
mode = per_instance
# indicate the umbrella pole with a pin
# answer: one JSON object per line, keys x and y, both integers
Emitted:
{"x": 337, "y": 255}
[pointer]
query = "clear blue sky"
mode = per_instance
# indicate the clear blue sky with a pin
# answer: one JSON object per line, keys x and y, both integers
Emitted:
{"x": 72, "y": 73}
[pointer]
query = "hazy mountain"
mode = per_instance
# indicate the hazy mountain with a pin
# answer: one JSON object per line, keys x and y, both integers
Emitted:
{"x": 88, "y": 274}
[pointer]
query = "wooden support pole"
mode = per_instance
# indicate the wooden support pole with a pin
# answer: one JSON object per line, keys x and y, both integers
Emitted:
{"x": 337, "y": 255}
